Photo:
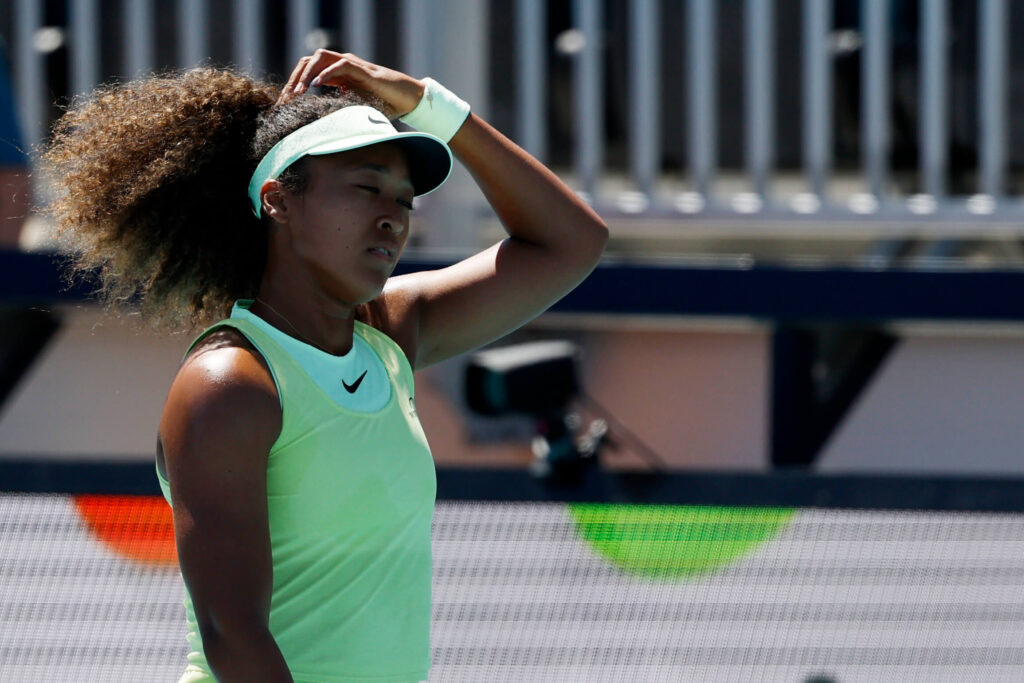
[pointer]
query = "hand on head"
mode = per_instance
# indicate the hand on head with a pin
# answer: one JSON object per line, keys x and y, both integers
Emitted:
{"x": 326, "y": 68}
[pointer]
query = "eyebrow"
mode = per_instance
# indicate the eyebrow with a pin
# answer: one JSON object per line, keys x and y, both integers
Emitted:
{"x": 374, "y": 167}
{"x": 380, "y": 168}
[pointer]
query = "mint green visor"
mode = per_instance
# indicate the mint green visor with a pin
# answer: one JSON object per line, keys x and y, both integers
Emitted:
{"x": 430, "y": 160}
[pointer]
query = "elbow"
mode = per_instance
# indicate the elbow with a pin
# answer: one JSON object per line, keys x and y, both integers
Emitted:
{"x": 226, "y": 625}
{"x": 597, "y": 241}
{"x": 582, "y": 252}
{"x": 602, "y": 235}
{"x": 232, "y": 639}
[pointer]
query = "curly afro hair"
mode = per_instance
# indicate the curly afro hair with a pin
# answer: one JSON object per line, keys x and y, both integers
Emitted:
{"x": 150, "y": 183}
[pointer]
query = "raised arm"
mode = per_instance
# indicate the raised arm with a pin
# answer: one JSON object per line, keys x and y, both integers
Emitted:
{"x": 221, "y": 417}
{"x": 554, "y": 241}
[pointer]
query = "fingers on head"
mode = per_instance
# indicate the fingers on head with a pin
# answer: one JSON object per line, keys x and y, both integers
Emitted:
{"x": 320, "y": 61}
{"x": 296, "y": 75}
{"x": 297, "y": 72}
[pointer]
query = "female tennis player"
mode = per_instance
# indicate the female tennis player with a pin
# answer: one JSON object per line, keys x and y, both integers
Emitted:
{"x": 289, "y": 447}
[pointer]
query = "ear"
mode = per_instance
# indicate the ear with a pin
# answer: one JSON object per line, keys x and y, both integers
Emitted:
{"x": 274, "y": 201}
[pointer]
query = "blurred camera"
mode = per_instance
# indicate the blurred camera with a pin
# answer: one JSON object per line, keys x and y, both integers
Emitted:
{"x": 541, "y": 380}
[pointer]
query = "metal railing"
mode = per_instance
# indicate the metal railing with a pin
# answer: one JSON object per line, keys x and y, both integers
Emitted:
{"x": 642, "y": 185}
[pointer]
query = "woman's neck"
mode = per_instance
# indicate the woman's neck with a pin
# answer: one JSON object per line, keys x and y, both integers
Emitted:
{"x": 314, "y": 318}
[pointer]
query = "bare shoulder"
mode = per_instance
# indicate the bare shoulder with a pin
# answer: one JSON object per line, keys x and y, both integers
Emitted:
{"x": 222, "y": 397}
{"x": 226, "y": 364}
{"x": 396, "y": 313}
{"x": 222, "y": 339}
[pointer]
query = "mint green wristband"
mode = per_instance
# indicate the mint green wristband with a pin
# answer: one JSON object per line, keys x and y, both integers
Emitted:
{"x": 440, "y": 112}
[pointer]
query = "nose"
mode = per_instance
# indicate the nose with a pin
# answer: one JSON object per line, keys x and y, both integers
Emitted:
{"x": 390, "y": 224}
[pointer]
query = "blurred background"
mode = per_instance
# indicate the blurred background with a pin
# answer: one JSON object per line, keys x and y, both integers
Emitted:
{"x": 814, "y": 208}
{"x": 812, "y": 304}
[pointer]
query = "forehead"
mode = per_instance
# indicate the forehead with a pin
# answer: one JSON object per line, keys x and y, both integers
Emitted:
{"x": 386, "y": 158}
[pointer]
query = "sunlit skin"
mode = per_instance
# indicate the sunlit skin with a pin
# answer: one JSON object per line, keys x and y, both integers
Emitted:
{"x": 334, "y": 245}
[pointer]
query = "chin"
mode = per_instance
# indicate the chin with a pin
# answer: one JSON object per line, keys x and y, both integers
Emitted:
{"x": 363, "y": 296}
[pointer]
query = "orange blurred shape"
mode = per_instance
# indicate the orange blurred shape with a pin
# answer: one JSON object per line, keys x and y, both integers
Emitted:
{"x": 138, "y": 528}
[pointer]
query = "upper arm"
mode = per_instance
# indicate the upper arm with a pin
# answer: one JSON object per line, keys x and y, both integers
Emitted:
{"x": 219, "y": 422}
{"x": 452, "y": 310}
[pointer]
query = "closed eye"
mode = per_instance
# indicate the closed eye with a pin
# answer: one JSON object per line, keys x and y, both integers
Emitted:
{"x": 406, "y": 203}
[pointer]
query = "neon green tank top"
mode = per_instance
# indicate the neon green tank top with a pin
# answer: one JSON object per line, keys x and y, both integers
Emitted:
{"x": 350, "y": 495}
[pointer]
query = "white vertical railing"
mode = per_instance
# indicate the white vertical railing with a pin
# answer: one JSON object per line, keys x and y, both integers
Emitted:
{"x": 874, "y": 89}
{"x": 416, "y": 37}
{"x": 759, "y": 95}
{"x": 644, "y": 98}
{"x": 648, "y": 86}
{"x": 701, "y": 97}
{"x": 934, "y": 141}
{"x": 249, "y": 51}
{"x": 992, "y": 57}
{"x": 84, "y": 46}
{"x": 139, "y": 38}
{"x": 302, "y": 19}
{"x": 32, "y": 105}
{"x": 193, "y": 30}
{"x": 589, "y": 95}
{"x": 358, "y": 33}
{"x": 817, "y": 94}
{"x": 531, "y": 90}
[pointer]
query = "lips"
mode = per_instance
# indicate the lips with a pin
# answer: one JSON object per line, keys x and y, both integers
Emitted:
{"x": 384, "y": 251}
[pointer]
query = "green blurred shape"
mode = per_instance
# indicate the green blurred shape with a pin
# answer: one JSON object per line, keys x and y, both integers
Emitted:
{"x": 675, "y": 541}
